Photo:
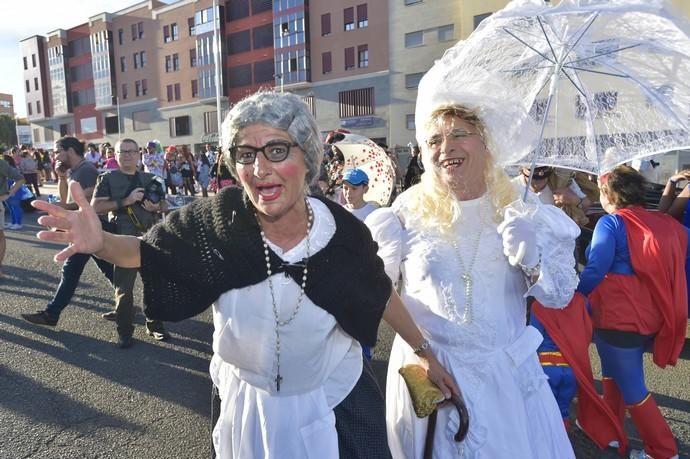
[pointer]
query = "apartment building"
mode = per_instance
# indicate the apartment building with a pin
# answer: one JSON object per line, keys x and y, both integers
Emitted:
{"x": 6, "y": 104}
{"x": 349, "y": 66}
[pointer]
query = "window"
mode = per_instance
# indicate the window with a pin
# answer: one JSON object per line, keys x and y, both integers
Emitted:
{"x": 48, "y": 134}
{"x": 142, "y": 58}
{"x": 65, "y": 130}
{"x": 446, "y": 32}
{"x": 88, "y": 125}
{"x": 325, "y": 24}
{"x": 177, "y": 91}
{"x": 124, "y": 90}
{"x": 135, "y": 60}
{"x": 140, "y": 30}
{"x": 28, "y": 85}
{"x": 33, "y": 60}
{"x": 349, "y": 58}
{"x": 349, "y": 18}
{"x": 36, "y": 137}
{"x": 479, "y": 18}
{"x": 173, "y": 31}
{"x": 326, "y": 63}
{"x": 192, "y": 57}
{"x": 412, "y": 80}
{"x": 111, "y": 125}
{"x": 363, "y": 56}
{"x": 263, "y": 71}
{"x": 169, "y": 90}
{"x": 38, "y": 106}
{"x": 413, "y": 39}
{"x": 240, "y": 42}
{"x": 120, "y": 36}
{"x": 140, "y": 120}
{"x": 166, "y": 34}
{"x": 240, "y": 75}
{"x": 237, "y": 9}
{"x": 134, "y": 32}
{"x": 259, "y": 6}
{"x": 81, "y": 72}
{"x": 137, "y": 88}
{"x": 190, "y": 26}
{"x": 176, "y": 62}
{"x": 409, "y": 122}
{"x": 28, "y": 109}
{"x": 362, "y": 19}
{"x": 26, "y": 63}
{"x": 179, "y": 126}
{"x": 83, "y": 97}
{"x": 123, "y": 65}
{"x": 210, "y": 122}
{"x": 168, "y": 64}
{"x": 356, "y": 102}
{"x": 263, "y": 36}
{"x": 195, "y": 88}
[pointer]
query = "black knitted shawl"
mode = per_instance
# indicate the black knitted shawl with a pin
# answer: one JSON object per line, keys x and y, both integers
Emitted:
{"x": 213, "y": 245}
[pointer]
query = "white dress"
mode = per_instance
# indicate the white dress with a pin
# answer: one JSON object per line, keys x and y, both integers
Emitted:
{"x": 319, "y": 363}
{"x": 513, "y": 413}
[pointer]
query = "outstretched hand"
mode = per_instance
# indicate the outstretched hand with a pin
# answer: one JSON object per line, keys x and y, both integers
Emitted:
{"x": 80, "y": 229}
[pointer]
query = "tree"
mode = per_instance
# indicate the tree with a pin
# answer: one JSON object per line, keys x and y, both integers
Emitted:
{"x": 8, "y": 132}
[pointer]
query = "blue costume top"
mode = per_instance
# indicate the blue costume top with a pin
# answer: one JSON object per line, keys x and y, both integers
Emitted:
{"x": 608, "y": 253}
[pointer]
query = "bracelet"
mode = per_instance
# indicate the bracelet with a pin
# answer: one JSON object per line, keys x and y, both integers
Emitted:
{"x": 422, "y": 347}
{"x": 534, "y": 271}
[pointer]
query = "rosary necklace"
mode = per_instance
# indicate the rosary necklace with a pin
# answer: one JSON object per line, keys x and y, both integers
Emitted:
{"x": 466, "y": 271}
{"x": 276, "y": 316}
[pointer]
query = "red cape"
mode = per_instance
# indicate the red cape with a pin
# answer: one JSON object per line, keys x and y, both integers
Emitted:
{"x": 658, "y": 248}
{"x": 571, "y": 330}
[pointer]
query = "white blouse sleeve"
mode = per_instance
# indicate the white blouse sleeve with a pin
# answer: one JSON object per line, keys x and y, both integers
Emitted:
{"x": 556, "y": 234}
{"x": 388, "y": 232}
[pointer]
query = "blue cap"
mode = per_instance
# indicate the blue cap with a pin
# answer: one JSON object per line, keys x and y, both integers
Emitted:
{"x": 356, "y": 177}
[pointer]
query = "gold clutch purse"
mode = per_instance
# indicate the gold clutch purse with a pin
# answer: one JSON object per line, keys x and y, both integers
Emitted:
{"x": 426, "y": 397}
{"x": 424, "y": 393}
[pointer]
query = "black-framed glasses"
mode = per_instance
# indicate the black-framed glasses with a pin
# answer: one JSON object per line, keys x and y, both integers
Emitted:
{"x": 274, "y": 151}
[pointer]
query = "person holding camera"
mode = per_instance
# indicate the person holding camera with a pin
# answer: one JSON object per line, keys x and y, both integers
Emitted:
{"x": 133, "y": 201}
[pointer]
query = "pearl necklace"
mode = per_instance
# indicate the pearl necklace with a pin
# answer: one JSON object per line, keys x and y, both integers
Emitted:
{"x": 466, "y": 276}
{"x": 276, "y": 316}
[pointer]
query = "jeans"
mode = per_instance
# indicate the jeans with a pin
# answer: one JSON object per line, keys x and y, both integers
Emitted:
{"x": 71, "y": 272}
{"x": 15, "y": 206}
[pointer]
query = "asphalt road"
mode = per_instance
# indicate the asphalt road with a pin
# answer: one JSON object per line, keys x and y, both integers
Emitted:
{"x": 68, "y": 392}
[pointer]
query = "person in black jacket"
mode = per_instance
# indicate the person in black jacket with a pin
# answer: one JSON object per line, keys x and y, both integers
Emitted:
{"x": 414, "y": 169}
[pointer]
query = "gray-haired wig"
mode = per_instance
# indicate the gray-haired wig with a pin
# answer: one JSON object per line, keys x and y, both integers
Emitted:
{"x": 283, "y": 111}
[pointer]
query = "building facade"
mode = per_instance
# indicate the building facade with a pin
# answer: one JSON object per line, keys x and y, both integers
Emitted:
{"x": 6, "y": 104}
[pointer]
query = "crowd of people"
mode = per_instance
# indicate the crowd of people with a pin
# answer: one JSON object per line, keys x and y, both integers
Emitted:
{"x": 299, "y": 277}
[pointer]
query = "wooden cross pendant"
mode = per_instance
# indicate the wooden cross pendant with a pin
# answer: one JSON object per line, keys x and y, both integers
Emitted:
{"x": 278, "y": 380}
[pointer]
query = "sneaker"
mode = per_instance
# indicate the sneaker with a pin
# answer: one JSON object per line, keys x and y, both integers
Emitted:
{"x": 16, "y": 226}
{"x": 110, "y": 315}
{"x": 156, "y": 331}
{"x": 7, "y": 225}
{"x": 124, "y": 341}
{"x": 40, "y": 318}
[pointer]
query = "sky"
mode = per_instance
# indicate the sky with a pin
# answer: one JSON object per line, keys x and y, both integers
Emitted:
{"x": 20, "y": 19}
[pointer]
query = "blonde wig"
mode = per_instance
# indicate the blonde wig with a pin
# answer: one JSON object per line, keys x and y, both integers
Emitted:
{"x": 433, "y": 203}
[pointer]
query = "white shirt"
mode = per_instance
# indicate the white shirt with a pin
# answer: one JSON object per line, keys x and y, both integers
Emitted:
{"x": 319, "y": 364}
{"x": 363, "y": 212}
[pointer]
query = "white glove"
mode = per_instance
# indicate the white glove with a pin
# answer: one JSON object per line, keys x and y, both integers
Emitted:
{"x": 519, "y": 239}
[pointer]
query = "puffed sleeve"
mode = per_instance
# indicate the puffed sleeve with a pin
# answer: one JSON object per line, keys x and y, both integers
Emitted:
{"x": 388, "y": 232}
{"x": 556, "y": 234}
